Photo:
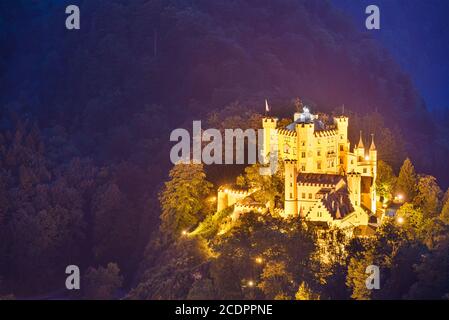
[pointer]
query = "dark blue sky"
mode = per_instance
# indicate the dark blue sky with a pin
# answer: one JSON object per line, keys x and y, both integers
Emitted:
{"x": 416, "y": 32}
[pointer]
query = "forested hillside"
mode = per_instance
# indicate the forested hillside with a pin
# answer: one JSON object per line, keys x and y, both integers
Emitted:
{"x": 85, "y": 116}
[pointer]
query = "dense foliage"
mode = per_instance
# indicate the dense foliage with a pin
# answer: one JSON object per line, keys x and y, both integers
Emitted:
{"x": 265, "y": 256}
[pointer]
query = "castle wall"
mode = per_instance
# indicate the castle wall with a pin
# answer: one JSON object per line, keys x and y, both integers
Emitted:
{"x": 290, "y": 186}
{"x": 318, "y": 212}
{"x": 228, "y": 197}
{"x": 307, "y": 197}
{"x": 356, "y": 218}
{"x": 287, "y": 144}
{"x": 354, "y": 182}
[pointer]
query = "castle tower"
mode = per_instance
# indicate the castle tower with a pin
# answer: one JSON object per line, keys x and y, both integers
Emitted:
{"x": 354, "y": 186}
{"x": 269, "y": 125}
{"x": 222, "y": 199}
{"x": 290, "y": 187}
{"x": 373, "y": 158}
{"x": 342, "y": 123}
{"x": 304, "y": 133}
{"x": 360, "y": 150}
{"x": 373, "y": 151}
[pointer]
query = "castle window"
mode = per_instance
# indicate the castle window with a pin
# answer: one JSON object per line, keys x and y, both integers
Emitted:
{"x": 310, "y": 196}
{"x": 303, "y": 143}
{"x": 303, "y": 195}
{"x": 341, "y": 160}
{"x": 303, "y": 167}
{"x": 318, "y": 165}
{"x": 364, "y": 170}
{"x": 356, "y": 202}
{"x": 341, "y": 147}
{"x": 319, "y": 141}
{"x": 291, "y": 184}
{"x": 318, "y": 153}
{"x": 294, "y": 151}
{"x": 291, "y": 195}
{"x": 352, "y": 161}
{"x": 303, "y": 154}
{"x": 341, "y": 137}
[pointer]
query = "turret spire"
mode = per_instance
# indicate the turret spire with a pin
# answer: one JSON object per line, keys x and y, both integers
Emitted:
{"x": 360, "y": 145}
{"x": 373, "y": 146}
{"x": 267, "y": 107}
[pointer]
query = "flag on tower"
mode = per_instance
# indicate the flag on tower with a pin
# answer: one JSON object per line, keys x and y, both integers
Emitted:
{"x": 267, "y": 108}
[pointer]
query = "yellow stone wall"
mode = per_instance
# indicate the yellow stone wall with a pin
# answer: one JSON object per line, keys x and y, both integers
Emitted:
{"x": 324, "y": 152}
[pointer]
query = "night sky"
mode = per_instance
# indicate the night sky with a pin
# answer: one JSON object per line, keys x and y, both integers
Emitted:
{"x": 416, "y": 32}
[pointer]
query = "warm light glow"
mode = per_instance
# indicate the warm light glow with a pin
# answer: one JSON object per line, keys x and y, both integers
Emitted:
{"x": 400, "y": 220}
{"x": 400, "y": 196}
{"x": 184, "y": 232}
{"x": 212, "y": 199}
{"x": 367, "y": 158}
{"x": 259, "y": 260}
{"x": 250, "y": 283}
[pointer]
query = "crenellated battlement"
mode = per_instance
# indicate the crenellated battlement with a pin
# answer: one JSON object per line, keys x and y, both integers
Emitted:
{"x": 287, "y": 133}
{"x": 325, "y": 133}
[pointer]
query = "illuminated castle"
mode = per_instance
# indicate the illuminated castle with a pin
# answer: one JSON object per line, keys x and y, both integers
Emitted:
{"x": 324, "y": 180}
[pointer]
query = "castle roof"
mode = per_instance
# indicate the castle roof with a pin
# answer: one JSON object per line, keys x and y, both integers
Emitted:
{"x": 360, "y": 145}
{"x": 373, "y": 146}
{"x": 320, "y": 178}
{"x": 235, "y": 189}
{"x": 338, "y": 203}
{"x": 318, "y": 126}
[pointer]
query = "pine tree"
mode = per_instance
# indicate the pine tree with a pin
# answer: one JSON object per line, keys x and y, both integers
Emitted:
{"x": 428, "y": 196}
{"x": 406, "y": 183}
{"x": 356, "y": 278}
{"x": 306, "y": 293}
{"x": 182, "y": 199}
{"x": 275, "y": 280}
{"x": 385, "y": 180}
